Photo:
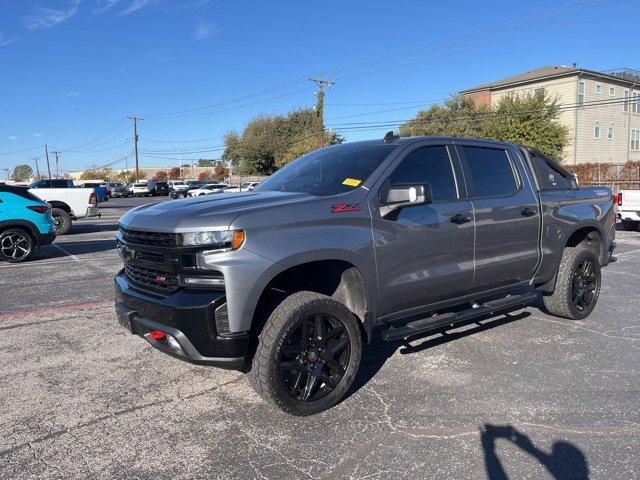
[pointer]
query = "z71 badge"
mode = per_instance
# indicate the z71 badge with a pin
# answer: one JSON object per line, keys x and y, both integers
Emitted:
{"x": 345, "y": 207}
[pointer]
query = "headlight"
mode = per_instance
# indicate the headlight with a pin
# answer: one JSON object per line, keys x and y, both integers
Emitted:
{"x": 218, "y": 240}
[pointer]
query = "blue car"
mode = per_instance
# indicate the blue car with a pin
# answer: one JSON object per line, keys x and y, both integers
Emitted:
{"x": 25, "y": 224}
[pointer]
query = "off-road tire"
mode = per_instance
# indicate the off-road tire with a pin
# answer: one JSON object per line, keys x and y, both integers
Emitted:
{"x": 264, "y": 373}
{"x": 630, "y": 225}
{"x": 560, "y": 302}
{"x": 64, "y": 220}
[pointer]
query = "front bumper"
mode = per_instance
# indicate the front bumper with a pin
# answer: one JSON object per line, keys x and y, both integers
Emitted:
{"x": 188, "y": 317}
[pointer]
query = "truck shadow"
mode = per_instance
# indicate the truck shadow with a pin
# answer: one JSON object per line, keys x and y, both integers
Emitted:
{"x": 564, "y": 462}
{"x": 378, "y": 352}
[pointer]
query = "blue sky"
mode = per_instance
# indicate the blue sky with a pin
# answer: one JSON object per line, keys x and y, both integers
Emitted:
{"x": 72, "y": 70}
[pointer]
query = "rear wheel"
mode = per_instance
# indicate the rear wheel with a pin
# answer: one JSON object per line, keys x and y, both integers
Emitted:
{"x": 16, "y": 245}
{"x": 61, "y": 221}
{"x": 630, "y": 225}
{"x": 308, "y": 354}
{"x": 577, "y": 285}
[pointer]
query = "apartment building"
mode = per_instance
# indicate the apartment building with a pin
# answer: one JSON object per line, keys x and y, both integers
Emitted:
{"x": 600, "y": 109}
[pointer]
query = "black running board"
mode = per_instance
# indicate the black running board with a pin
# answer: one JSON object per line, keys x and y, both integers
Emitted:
{"x": 436, "y": 322}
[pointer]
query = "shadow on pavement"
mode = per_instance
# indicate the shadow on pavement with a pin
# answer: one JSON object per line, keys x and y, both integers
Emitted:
{"x": 87, "y": 246}
{"x": 79, "y": 228}
{"x": 378, "y": 352}
{"x": 564, "y": 462}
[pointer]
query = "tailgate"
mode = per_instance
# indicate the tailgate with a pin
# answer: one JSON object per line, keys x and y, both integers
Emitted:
{"x": 630, "y": 200}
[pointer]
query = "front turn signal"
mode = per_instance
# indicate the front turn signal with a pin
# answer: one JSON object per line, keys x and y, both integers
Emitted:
{"x": 237, "y": 240}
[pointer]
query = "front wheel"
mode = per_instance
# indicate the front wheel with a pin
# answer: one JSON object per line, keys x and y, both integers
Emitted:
{"x": 577, "y": 285}
{"x": 308, "y": 354}
{"x": 630, "y": 225}
{"x": 61, "y": 221}
{"x": 16, "y": 245}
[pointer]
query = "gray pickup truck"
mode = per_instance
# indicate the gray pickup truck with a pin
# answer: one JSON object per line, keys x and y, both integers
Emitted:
{"x": 391, "y": 238}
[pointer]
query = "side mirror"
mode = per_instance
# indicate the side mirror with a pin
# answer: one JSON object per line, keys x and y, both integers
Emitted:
{"x": 398, "y": 196}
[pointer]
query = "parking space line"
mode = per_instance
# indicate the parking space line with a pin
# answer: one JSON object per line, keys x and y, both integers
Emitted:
{"x": 66, "y": 252}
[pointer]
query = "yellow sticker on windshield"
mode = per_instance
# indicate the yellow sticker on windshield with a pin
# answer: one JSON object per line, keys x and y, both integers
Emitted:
{"x": 351, "y": 182}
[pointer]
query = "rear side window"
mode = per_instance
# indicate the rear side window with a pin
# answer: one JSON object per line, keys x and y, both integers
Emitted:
{"x": 489, "y": 172}
{"x": 430, "y": 165}
{"x": 550, "y": 175}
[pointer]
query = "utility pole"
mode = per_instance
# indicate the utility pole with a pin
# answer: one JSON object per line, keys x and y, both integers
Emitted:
{"x": 46, "y": 154}
{"x": 35, "y": 159}
{"x": 135, "y": 142}
{"x": 321, "y": 83}
{"x": 56, "y": 153}
{"x": 126, "y": 169}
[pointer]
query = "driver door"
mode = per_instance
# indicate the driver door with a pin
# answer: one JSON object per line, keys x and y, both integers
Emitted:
{"x": 424, "y": 253}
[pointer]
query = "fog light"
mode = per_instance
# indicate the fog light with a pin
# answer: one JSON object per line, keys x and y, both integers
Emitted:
{"x": 158, "y": 335}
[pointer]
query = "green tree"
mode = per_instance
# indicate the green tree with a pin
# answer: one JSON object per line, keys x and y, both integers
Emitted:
{"x": 530, "y": 120}
{"x": 21, "y": 173}
{"x": 205, "y": 162}
{"x": 269, "y": 142}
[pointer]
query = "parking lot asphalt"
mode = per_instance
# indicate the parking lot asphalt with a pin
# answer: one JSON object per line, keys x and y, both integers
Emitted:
{"x": 520, "y": 396}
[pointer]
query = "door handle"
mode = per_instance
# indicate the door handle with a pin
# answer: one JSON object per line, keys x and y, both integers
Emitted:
{"x": 529, "y": 212}
{"x": 460, "y": 218}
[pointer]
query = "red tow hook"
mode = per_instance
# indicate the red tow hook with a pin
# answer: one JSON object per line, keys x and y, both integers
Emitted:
{"x": 158, "y": 335}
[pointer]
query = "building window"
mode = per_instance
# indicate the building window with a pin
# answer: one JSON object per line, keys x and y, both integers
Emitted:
{"x": 612, "y": 91}
{"x": 598, "y": 88}
{"x": 596, "y": 132}
{"x": 635, "y": 140}
{"x": 580, "y": 93}
{"x": 635, "y": 102}
{"x": 539, "y": 91}
{"x": 625, "y": 104}
{"x": 610, "y": 133}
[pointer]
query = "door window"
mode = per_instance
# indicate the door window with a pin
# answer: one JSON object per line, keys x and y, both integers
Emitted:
{"x": 430, "y": 165}
{"x": 489, "y": 171}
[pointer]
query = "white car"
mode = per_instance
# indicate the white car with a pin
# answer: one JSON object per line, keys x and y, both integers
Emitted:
{"x": 142, "y": 189}
{"x": 177, "y": 185}
{"x": 68, "y": 204}
{"x": 628, "y": 202}
{"x": 208, "y": 189}
{"x": 244, "y": 187}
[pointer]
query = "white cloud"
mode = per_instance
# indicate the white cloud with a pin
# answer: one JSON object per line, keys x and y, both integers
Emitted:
{"x": 13, "y": 138}
{"x": 49, "y": 17}
{"x": 137, "y": 5}
{"x": 104, "y": 5}
{"x": 5, "y": 40}
{"x": 204, "y": 30}
{"x": 38, "y": 135}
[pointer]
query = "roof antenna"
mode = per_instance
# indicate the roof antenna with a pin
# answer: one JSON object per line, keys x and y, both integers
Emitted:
{"x": 390, "y": 137}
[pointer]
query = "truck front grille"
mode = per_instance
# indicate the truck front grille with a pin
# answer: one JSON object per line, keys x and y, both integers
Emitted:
{"x": 152, "y": 279}
{"x": 159, "y": 239}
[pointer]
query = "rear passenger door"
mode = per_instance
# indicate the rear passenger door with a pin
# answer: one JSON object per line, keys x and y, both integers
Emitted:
{"x": 424, "y": 253}
{"x": 507, "y": 217}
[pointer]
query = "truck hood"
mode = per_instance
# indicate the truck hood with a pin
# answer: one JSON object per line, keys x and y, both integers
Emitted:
{"x": 209, "y": 212}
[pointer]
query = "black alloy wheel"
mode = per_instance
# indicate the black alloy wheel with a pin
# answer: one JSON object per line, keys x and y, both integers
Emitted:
{"x": 314, "y": 357}
{"x": 585, "y": 283}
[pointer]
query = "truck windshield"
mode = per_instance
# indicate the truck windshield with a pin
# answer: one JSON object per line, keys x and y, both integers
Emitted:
{"x": 328, "y": 171}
